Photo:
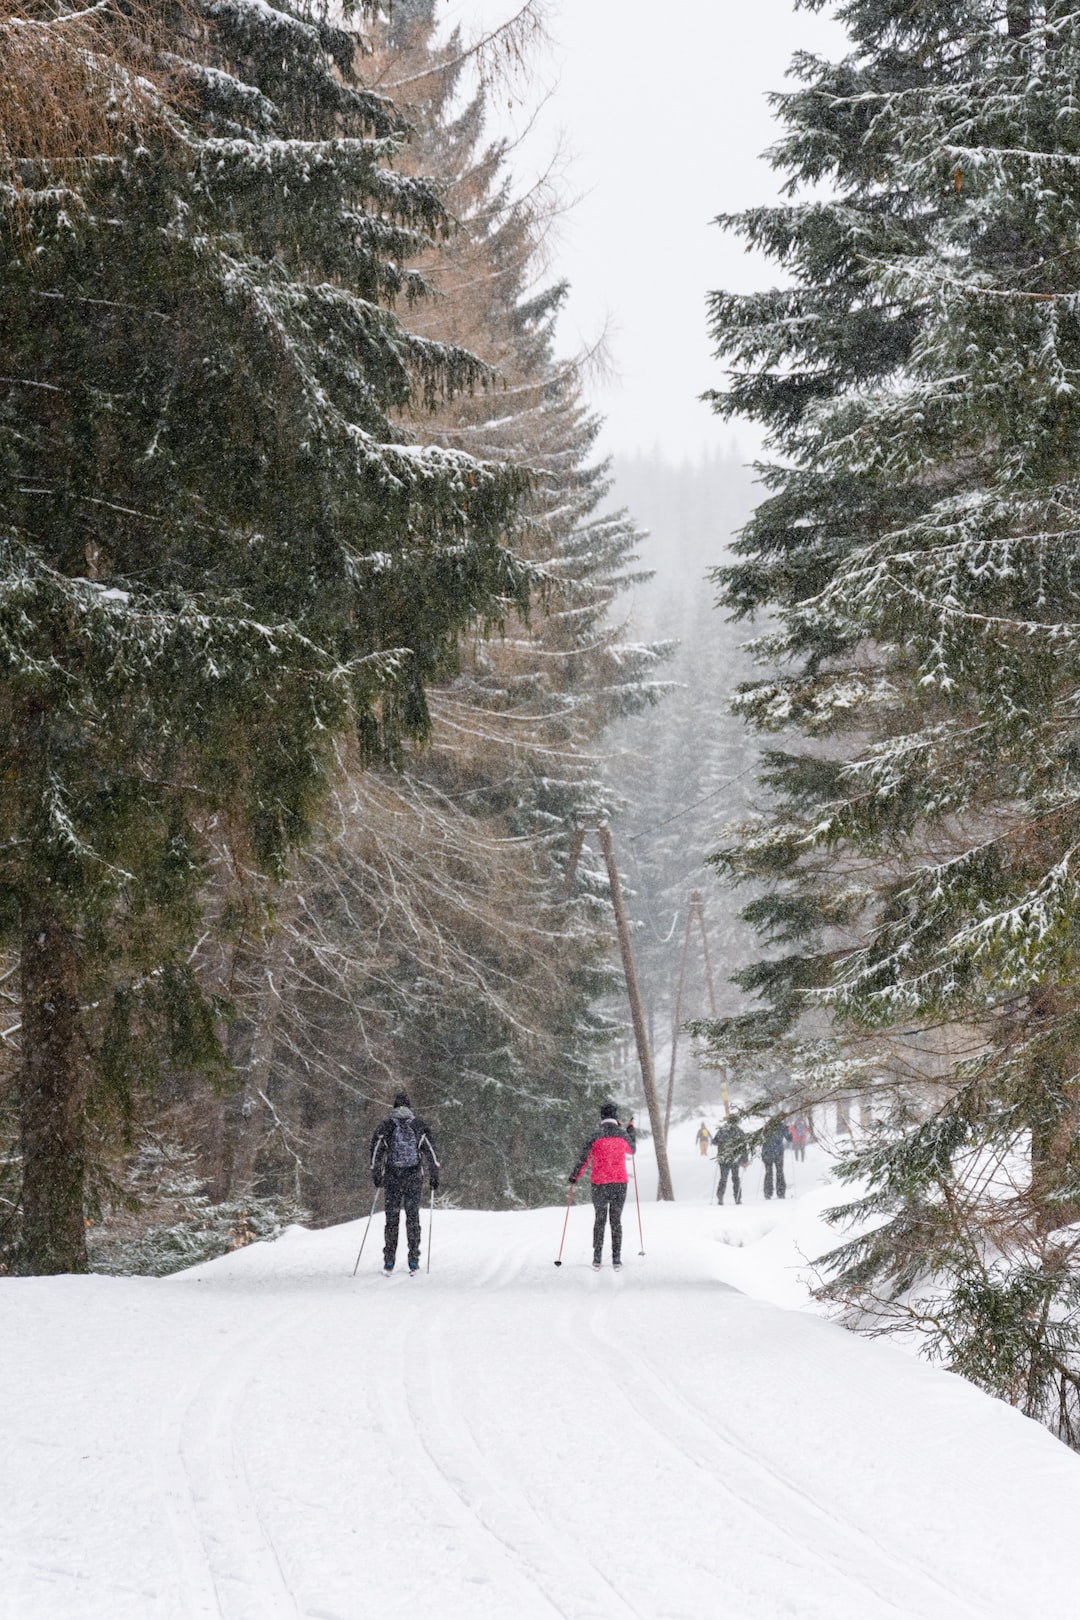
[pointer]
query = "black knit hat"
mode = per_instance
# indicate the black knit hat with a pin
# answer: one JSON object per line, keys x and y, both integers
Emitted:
{"x": 609, "y": 1110}
{"x": 401, "y": 1099}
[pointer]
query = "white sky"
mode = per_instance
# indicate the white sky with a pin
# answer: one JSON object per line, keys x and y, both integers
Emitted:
{"x": 662, "y": 111}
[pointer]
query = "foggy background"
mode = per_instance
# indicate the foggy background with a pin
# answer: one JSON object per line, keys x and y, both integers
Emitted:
{"x": 651, "y": 122}
{"x": 661, "y": 116}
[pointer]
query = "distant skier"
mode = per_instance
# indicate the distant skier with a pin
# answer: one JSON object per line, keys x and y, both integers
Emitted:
{"x": 605, "y": 1152}
{"x": 776, "y": 1138}
{"x": 731, "y": 1157}
{"x": 703, "y": 1139}
{"x": 400, "y": 1148}
{"x": 800, "y": 1132}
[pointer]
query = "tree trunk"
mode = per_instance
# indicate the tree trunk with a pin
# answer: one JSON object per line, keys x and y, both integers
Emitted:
{"x": 637, "y": 1016}
{"x": 1055, "y": 1121}
{"x": 1018, "y": 18}
{"x": 51, "y": 1096}
{"x": 1053, "y": 1160}
{"x": 250, "y": 1048}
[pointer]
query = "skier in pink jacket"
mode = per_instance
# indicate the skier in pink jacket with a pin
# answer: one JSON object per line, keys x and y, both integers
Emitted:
{"x": 605, "y": 1152}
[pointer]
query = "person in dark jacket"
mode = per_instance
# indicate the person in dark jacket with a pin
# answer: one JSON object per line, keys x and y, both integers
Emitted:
{"x": 731, "y": 1157}
{"x": 605, "y": 1153}
{"x": 776, "y": 1138}
{"x": 400, "y": 1148}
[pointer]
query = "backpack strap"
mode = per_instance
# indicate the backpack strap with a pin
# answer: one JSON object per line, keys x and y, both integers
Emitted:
{"x": 423, "y": 1141}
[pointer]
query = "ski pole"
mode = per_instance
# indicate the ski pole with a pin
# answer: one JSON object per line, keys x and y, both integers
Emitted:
{"x": 637, "y": 1201}
{"x": 715, "y": 1180}
{"x": 367, "y": 1229}
{"x": 565, "y": 1223}
{"x": 430, "y": 1224}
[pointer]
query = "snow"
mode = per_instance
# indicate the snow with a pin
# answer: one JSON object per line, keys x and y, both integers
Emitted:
{"x": 266, "y": 1437}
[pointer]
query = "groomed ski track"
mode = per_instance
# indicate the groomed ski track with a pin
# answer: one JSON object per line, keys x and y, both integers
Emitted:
{"x": 265, "y": 1438}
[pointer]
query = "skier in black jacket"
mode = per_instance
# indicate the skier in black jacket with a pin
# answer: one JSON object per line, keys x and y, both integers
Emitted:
{"x": 732, "y": 1158}
{"x": 776, "y": 1139}
{"x": 400, "y": 1148}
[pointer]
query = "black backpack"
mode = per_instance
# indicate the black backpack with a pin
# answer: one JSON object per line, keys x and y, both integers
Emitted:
{"x": 404, "y": 1153}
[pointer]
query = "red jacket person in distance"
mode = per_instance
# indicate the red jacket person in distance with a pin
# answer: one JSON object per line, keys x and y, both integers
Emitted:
{"x": 605, "y": 1152}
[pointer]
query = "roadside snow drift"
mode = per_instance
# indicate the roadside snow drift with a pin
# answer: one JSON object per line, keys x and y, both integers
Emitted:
{"x": 265, "y": 1437}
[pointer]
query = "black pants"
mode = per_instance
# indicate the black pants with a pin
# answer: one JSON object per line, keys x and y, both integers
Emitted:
{"x": 608, "y": 1199}
{"x": 781, "y": 1184}
{"x": 732, "y": 1170}
{"x": 402, "y": 1187}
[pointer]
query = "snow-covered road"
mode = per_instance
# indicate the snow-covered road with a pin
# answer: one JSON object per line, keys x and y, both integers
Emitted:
{"x": 265, "y": 1438}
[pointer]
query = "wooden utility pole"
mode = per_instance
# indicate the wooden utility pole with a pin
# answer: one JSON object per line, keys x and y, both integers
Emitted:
{"x": 637, "y": 1014}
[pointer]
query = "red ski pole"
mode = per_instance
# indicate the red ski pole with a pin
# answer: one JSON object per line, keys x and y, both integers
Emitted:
{"x": 637, "y": 1201}
{"x": 566, "y": 1219}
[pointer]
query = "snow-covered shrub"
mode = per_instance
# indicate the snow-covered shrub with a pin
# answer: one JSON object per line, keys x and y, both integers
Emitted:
{"x": 161, "y": 1220}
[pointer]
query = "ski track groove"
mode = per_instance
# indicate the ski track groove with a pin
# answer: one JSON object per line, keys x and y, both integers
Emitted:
{"x": 444, "y": 1485}
{"x": 708, "y": 1470}
{"x": 460, "y": 1439}
{"x": 223, "y": 1506}
{"x": 506, "y": 1270}
{"x": 198, "y": 1590}
{"x": 672, "y": 1396}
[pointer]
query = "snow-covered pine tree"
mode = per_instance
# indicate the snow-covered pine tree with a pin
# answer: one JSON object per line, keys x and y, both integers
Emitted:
{"x": 159, "y": 1219}
{"x": 220, "y": 549}
{"x": 434, "y": 946}
{"x": 796, "y": 355}
{"x": 929, "y": 624}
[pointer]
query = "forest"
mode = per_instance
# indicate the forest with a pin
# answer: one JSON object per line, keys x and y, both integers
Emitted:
{"x": 325, "y": 625}
{"x": 308, "y": 576}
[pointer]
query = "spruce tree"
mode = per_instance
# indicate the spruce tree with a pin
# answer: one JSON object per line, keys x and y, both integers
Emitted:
{"x": 435, "y": 946}
{"x": 220, "y": 549}
{"x": 922, "y": 853}
{"x": 797, "y": 356}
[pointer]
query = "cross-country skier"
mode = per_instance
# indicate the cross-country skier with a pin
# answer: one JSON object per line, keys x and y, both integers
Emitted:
{"x": 703, "y": 1139}
{"x": 731, "y": 1157}
{"x": 605, "y": 1152}
{"x": 400, "y": 1148}
{"x": 776, "y": 1138}
{"x": 800, "y": 1133}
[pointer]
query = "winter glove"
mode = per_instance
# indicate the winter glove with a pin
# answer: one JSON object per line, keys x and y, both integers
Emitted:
{"x": 434, "y": 1183}
{"x": 571, "y": 1179}
{"x": 376, "y": 1182}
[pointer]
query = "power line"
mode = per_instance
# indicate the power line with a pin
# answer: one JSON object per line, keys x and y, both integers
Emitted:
{"x": 685, "y": 811}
